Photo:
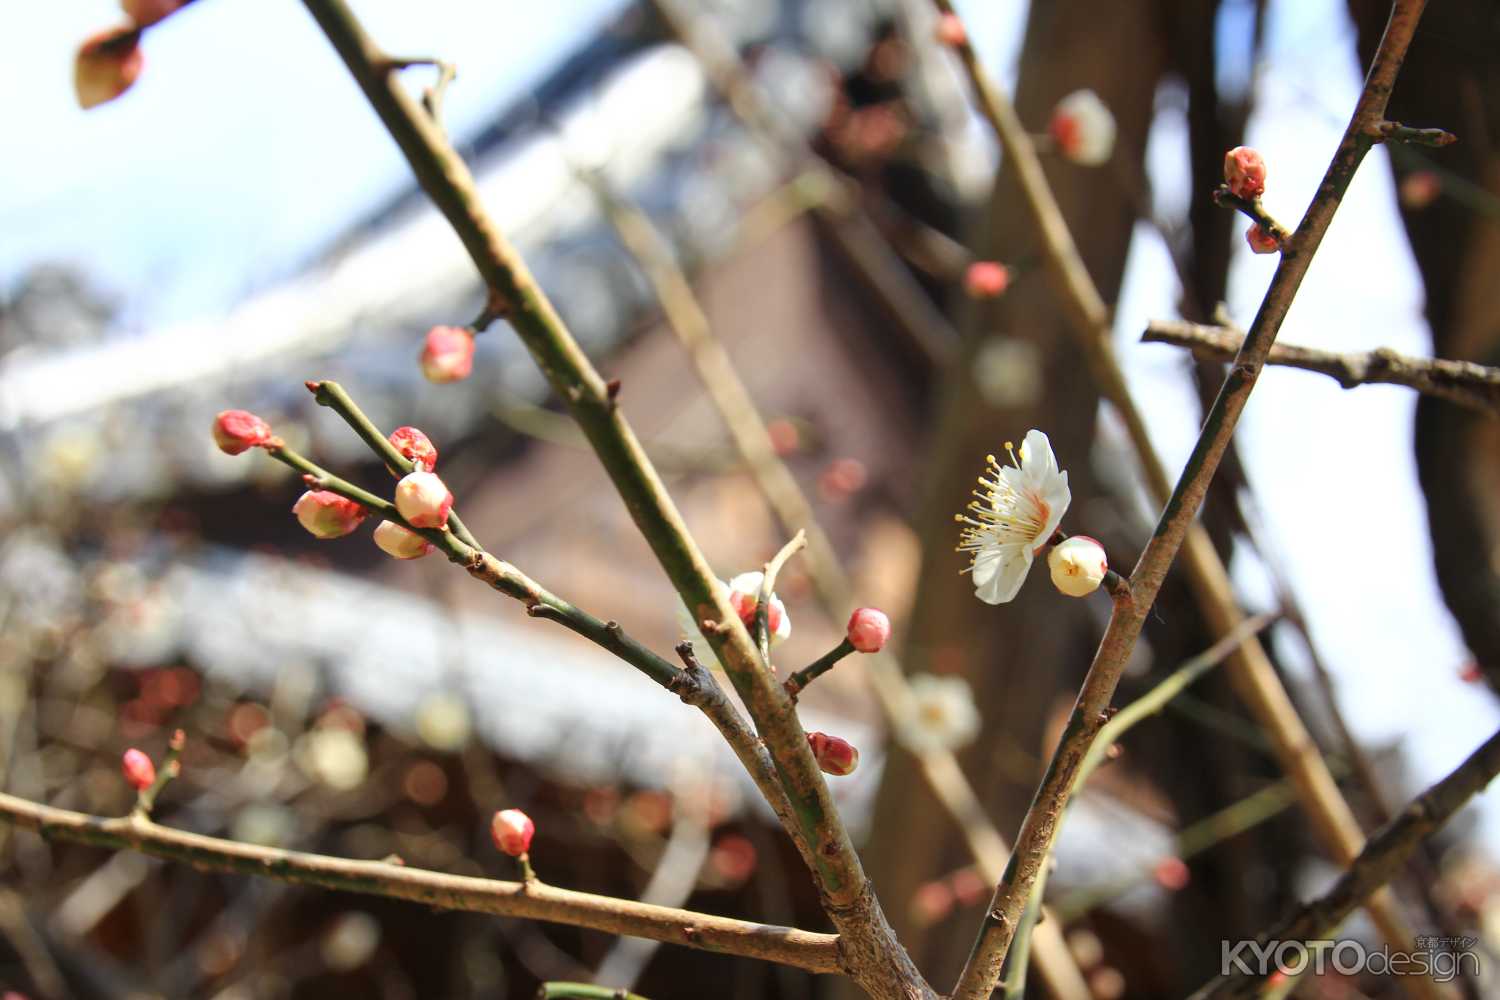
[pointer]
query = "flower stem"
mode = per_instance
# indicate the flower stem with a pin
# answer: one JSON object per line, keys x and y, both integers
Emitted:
{"x": 817, "y": 668}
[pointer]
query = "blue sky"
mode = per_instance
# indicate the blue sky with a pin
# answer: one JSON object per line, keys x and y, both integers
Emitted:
{"x": 245, "y": 148}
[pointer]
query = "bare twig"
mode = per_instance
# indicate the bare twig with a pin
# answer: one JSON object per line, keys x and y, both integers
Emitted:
{"x": 536, "y": 900}
{"x": 1384, "y": 855}
{"x": 1040, "y": 826}
{"x": 767, "y": 584}
{"x": 1463, "y": 382}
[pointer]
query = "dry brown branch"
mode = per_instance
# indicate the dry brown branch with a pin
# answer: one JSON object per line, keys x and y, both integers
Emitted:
{"x": 1385, "y": 854}
{"x": 1463, "y": 382}
{"x": 536, "y": 900}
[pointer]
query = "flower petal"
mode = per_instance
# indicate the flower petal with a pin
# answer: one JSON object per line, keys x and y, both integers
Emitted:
{"x": 999, "y": 572}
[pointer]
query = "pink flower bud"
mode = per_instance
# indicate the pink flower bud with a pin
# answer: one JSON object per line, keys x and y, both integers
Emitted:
{"x": 147, "y": 12}
{"x": 237, "y": 431}
{"x": 325, "y": 514}
{"x": 1261, "y": 241}
{"x": 1083, "y": 128}
{"x": 415, "y": 447}
{"x": 1245, "y": 172}
{"x": 1078, "y": 565}
{"x": 834, "y": 755}
{"x": 512, "y": 831}
{"x": 950, "y": 31}
{"x": 447, "y": 354}
{"x": 1419, "y": 189}
{"x": 106, "y": 65}
{"x": 869, "y": 628}
{"x": 1171, "y": 873}
{"x": 986, "y": 279}
{"x": 423, "y": 500}
{"x": 139, "y": 771}
{"x": 397, "y": 541}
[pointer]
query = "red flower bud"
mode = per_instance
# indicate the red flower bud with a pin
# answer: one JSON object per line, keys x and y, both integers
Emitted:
{"x": 986, "y": 279}
{"x": 415, "y": 447}
{"x": 1171, "y": 873}
{"x": 834, "y": 755}
{"x": 950, "y": 31}
{"x": 139, "y": 771}
{"x": 1261, "y": 241}
{"x": 237, "y": 431}
{"x": 1245, "y": 172}
{"x": 106, "y": 65}
{"x": 423, "y": 500}
{"x": 869, "y": 629}
{"x": 447, "y": 354}
{"x": 512, "y": 831}
{"x": 325, "y": 514}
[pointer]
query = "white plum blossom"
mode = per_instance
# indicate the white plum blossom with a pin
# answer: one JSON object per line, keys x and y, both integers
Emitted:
{"x": 943, "y": 715}
{"x": 1018, "y": 508}
{"x": 743, "y": 594}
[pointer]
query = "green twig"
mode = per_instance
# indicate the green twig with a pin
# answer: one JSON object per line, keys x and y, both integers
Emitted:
{"x": 817, "y": 668}
{"x": 333, "y": 396}
{"x": 171, "y": 767}
{"x": 767, "y": 585}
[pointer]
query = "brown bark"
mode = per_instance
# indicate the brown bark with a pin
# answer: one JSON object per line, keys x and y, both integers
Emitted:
{"x": 1451, "y": 79}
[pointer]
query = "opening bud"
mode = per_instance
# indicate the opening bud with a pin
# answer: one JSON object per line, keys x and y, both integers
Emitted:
{"x": 1078, "y": 565}
{"x": 869, "y": 629}
{"x": 1083, "y": 128}
{"x": 1261, "y": 241}
{"x": 512, "y": 831}
{"x": 423, "y": 500}
{"x": 325, "y": 514}
{"x": 106, "y": 66}
{"x": 744, "y": 597}
{"x": 1245, "y": 172}
{"x": 834, "y": 755}
{"x": 415, "y": 447}
{"x": 138, "y": 769}
{"x": 447, "y": 354}
{"x": 237, "y": 431}
{"x": 394, "y": 540}
{"x": 986, "y": 279}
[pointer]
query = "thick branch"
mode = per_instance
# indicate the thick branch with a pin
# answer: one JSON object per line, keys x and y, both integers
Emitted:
{"x": 1463, "y": 382}
{"x": 1040, "y": 826}
{"x": 536, "y": 900}
{"x": 1385, "y": 854}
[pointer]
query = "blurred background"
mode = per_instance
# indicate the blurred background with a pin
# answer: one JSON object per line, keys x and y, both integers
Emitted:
{"x": 239, "y": 222}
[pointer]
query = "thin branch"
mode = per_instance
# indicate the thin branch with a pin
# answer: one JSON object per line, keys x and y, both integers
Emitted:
{"x": 1388, "y": 131}
{"x": 767, "y": 585}
{"x": 696, "y": 686}
{"x": 1040, "y": 826}
{"x": 873, "y": 956}
{"x": 1463, "y": 382}
{"x": 536, "y": 900}
{"x": 1255, "y": 211}
{"x": 1385, "y": 854}
{"x": 817, "y": 668}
